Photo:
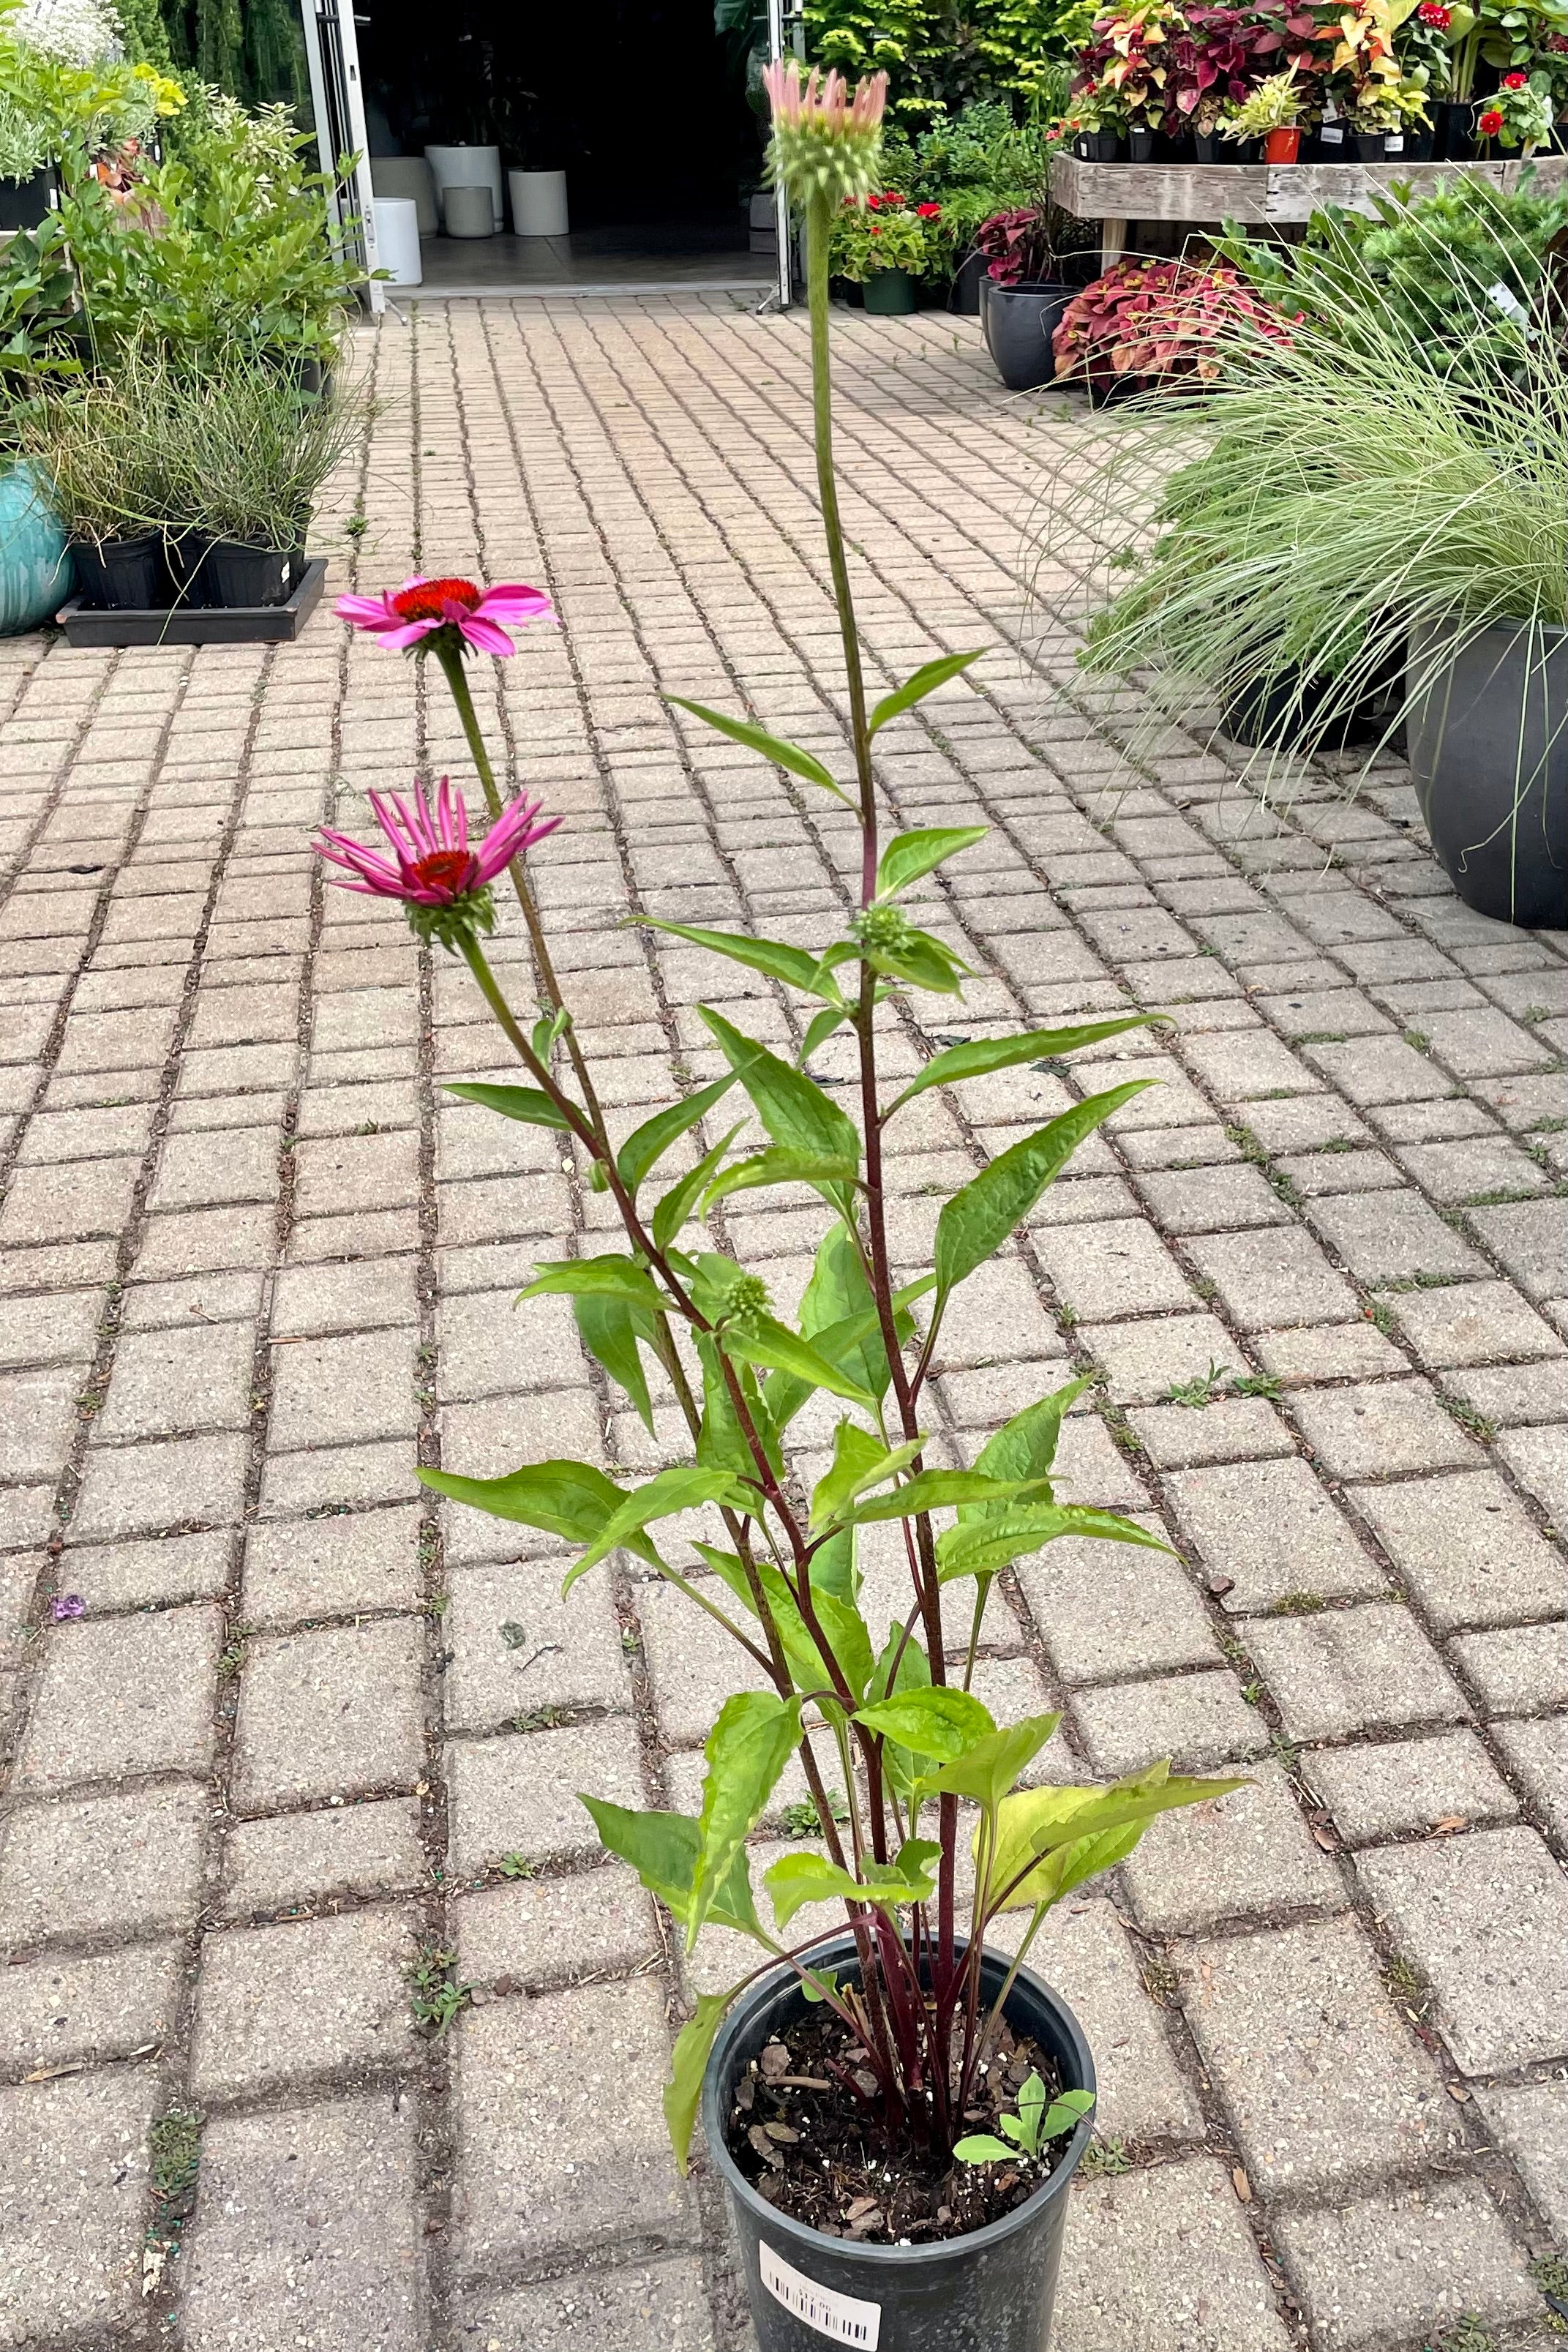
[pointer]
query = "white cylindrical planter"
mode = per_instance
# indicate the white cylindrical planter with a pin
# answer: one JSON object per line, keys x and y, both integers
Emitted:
{"x": 408, "y": 175}
{"x": 538, "y": 204}
{"x": 467, "y": 167}
{"x": 470, "y": 212}
{"x": 397, "y": 239}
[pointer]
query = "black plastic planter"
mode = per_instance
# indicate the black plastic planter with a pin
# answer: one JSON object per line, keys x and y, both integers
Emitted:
{"x": 1456, "y": 134}
{"x": 1370, "y": 146}
{"x": 1140, "y": 146}
{"x": 27, "y": 204}
{"x": 1097, "y": 146}
{"x": 1020, "y": 322}
{"x": 992, "y": 2291}
{"x": 237, "y": 574}
{"x": 1270, "y": 705}
{"x": 187, "y": 553}
{"x": 1333, "y": 146}
{"x": 122, "y": 574}
{"x": 964, "y": 296}
{"x": 1488, "y": 733}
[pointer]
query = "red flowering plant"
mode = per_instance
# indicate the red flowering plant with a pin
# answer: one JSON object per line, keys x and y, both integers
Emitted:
{"x": 1147, "y": 323}
{"x": 881, "y": 232}
{"x": 1518, "y": 113}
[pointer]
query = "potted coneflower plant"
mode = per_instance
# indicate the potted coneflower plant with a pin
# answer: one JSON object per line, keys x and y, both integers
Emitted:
{"x": 894, "y": 2106}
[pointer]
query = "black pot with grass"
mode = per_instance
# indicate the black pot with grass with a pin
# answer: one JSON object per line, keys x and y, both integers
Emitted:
{"x": 123, "y": 575}
{"x": 1487, "y": 730}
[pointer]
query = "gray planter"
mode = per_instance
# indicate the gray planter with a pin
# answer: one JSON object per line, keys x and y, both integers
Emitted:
{"x": 1488, "y": 735}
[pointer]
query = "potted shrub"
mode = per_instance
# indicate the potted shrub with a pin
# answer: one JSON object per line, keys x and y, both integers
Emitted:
{"x": 1269, "y": 113}
{"x": 1270, "y": 551}
{"x": 881, "y": 245}
{"x": 90, "y": 445}
{"x": 1024, "y": 291}
{"x": 895, "y": 2021}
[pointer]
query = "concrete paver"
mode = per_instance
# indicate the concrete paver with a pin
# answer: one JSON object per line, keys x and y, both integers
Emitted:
{"x": 256, "y": 1267}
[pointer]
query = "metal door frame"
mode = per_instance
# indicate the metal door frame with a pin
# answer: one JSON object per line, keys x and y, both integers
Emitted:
{"x": 338, "y": 100}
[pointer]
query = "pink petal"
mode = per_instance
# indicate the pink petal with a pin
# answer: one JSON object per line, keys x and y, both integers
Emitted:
{"x": 365, "y": 612}
{"x": 409, "y": 634}
{"x": 515, "y": 604}
{"x": 484, "y": 635}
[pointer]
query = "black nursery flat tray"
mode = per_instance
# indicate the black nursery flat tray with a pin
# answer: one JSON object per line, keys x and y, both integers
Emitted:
{"x": 198, "y": 624}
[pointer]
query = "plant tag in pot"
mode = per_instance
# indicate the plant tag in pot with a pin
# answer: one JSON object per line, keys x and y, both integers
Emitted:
{"x": 1332, "y": 134}
{"x": 841, "y": 2318}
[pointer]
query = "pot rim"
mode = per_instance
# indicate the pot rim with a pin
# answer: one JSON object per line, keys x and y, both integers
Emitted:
{"x": 801, "y": 2234}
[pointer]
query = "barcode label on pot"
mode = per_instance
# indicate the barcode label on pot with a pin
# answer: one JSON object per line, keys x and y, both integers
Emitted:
{"x": 841, "y": 2317}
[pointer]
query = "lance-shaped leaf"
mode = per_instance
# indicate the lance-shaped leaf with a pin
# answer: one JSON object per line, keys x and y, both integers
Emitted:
{"x": 796, "y": 966}
{"x": 792, "y": 1108}
{"x": 844, "y": 1630}
{"x": 838, "y": 1316}
{"x": 982, "y": 1055}
{"x": 1038, "y": 1824}
{"x": 975, "y": 1222}
{"x": 688, "y": 2065}
{"x": 671, "y": 1491}
{"x": 860, "y": 1460}
{"x": 748, "y": 1747}
{"x": 937, "y": 1722}
{"x": 930, "y": 1490}
{"x": 988, "y": 1770}
{"x": 919, "y": 684}
{"x": 981, "y": 1548}
{"x": 664, "y": 1849}
{"x": 525, "y": 1103}
{"x": 1025, "y": 1446}
{"x": 779, "y": 1165}
{"x": 608, "y": 1330}
{"x": 921, "y": 961}
{"x": 772, "y": 747}
{"x": 610, "y": 1276}
{"x": 909, "y": 856}
{"x": 675, "y": 1206}
{"x": 566, "y": 1498}
{"x": 648, "y": 1143}
{"x": 821, "y": 1027}
{"x": 797, "y": 1879}
{"x": 722, "y": 1444}
{"x": 762, "y": 1340}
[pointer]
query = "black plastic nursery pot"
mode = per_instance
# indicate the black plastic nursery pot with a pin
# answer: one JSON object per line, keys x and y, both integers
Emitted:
{"x": 991, "y": 2291}
{"x": 1097, "y": 146}
{"x": 122, "y": 574}
{"x": 1019, "y": 322}
{"x": 1140, "y": 146}
{"x": 1370, "y": 146}
{"x": 1256, "y": 715}
{"x": 1487, "y": 737}
{"x": 964, "y": 295}
{"x": 1455, "y": 139}
{"x": 239, "y": 575}
{"x": 186, "y": 553}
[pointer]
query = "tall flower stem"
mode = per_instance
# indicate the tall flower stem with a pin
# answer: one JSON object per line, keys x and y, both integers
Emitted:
{"x": 450, "y": 655}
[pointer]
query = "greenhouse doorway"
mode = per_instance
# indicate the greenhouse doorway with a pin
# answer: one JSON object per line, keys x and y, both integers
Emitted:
{"x": 643, "y": 105}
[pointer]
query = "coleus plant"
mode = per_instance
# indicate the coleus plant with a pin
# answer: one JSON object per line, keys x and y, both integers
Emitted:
{"x": 1148, "y": 323}
{"x": 920, "y": 1768}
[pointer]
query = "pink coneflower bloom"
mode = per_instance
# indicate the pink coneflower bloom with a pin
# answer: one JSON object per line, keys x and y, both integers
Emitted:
{"x": 826, "y": 141}
{"x": 481, "y": 616}
{"x": 431, "y": 864}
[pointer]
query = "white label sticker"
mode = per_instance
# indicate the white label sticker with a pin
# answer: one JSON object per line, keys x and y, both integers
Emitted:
{"x": 842, "y": 2317}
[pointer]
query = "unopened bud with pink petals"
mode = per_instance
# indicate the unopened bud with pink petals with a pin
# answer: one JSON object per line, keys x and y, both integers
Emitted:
{"x": 827, "y": 143}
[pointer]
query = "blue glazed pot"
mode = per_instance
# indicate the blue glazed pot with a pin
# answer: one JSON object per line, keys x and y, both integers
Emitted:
{"x": 36, "y": 569}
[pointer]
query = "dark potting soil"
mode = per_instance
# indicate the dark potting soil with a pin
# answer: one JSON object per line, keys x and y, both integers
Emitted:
{"x": 811, "y": 2147}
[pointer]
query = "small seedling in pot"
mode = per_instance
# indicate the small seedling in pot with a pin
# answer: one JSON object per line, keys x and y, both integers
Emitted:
{"x": 1034, "y": 2123}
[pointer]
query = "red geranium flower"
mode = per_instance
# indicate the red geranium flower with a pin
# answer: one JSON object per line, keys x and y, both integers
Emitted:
{"x": 1515, "y": 81}
{"x": 928, "y": 211}
{"x": 873, "y": 204}
{"x": 1433, "y": 12}
{"x": 1491, "y": 123}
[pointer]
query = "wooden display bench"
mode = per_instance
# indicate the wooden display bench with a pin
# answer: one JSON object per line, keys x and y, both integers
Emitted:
{"x": 1254, "y": 193}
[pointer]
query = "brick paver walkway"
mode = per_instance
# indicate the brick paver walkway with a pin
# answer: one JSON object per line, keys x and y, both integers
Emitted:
{"x": 256, "y": 1267}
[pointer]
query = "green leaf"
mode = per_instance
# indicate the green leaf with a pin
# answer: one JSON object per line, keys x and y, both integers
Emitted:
{"x": 1065, "y": 2113}
{"x": 792, "y": 1108}
{"x": 748, "y": 1747}
{"x": 930, "y": 1490}
{"x": 774, "y": 957}
{"x": 648, "y": 1142}
{"x": 611, "y": 1277}
{"x": 721, "y": 1441}
{"x": 547, "y": 1032}
{"x": 772, "y": 747}
{"x": 989, "y": 1768}
{"x": 975, "y": 1222}
{"x": 526, "y": 1103}
{"x": 1025, "y": 2126}
{"x": 860, "y": 1460}
{"x": 664, "y": 1850}
{"x": 936, "y": 1722}
{"x": 984, "y": 1054}
{"x": 838, "y": 1315}
{"x": 910, "y": 855}
{"x": 1025, "y": 1446}
{"x": 833, "y": 1566}
{"x": 688, "y": 2065}
{"x": 923, "y": 963}
{"x": 566, "y": 1498}
{"x": 919, "y": 683}
{"x": 779, "y": 1166}
{"x": 609, "y": 1331}
{"x": 762, "y": 1340}
{"x": 981, "y": 1547}
{"x": 672, "y": 1210}
{"x": 1074, "y": 1822}
{"x": 979, "y": 2148}
{"x": 821, "y": 1027}
{"x": 662, "y": 1498}
{"x": 797, "y": 1879}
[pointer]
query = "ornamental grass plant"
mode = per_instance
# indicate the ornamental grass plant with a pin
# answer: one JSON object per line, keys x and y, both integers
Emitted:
{"x": 804, "y": 1432}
